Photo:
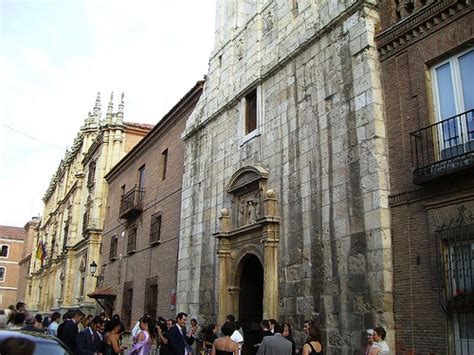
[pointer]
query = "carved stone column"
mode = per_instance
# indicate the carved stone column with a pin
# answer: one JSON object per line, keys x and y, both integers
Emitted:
{"x": 224, "y": 255}
{"x": 270, "y": 256}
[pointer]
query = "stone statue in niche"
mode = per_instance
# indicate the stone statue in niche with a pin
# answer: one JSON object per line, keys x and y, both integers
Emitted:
{"x": 252, "y": 210}
{"x": 248, "y": 208}
{"x": 267, "y": 22}
{"x": 241, "y": 220}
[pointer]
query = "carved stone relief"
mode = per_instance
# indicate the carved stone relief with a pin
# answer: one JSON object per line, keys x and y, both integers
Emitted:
{"x": 248, "y": 208}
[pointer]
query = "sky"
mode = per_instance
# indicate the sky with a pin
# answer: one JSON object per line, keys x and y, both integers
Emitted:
{"x": 55, "y": 55}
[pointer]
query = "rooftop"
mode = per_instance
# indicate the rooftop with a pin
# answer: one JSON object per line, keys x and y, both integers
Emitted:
{"x": 9, "y": 232}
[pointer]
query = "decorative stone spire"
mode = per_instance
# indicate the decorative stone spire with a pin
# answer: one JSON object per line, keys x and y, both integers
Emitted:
{"x": 96, "y": 113}
{"x": 119, "y": 114}
{"x": 110, "y": 108}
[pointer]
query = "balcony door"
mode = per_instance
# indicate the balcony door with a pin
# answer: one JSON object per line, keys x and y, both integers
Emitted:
{"x": 453, "y": 87}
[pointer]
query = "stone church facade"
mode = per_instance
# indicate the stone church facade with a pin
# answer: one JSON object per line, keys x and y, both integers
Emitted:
{"x": 285, "y": 189}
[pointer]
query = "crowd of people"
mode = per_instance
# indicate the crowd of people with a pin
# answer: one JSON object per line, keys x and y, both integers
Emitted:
{"x": 95, "y": 335}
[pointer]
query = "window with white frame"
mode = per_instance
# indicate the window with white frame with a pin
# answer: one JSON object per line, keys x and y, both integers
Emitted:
{"x": 251, "y": 114}
{"x": 453, "y": 91}
{"x": 4, "y": 251}
{"x": 3, "y": 273}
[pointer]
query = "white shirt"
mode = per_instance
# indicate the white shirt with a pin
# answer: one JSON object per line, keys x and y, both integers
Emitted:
{"x": 383, "y": 346}
{"x": 53, "y": 328}
{"x": 136, "y": 329}
{"x": 238, "y": 338}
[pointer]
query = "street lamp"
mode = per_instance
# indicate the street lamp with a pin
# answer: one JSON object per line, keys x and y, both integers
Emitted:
{"x": 93, "y": 267}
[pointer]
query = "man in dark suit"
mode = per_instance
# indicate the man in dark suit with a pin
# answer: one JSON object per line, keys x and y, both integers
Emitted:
{"x": 88, "y": 341}
{"x": 70, "y": 330}
{"x": 277, "y": 344}
{"x": 179, "y": 343}
{"x": 66, "y": 318}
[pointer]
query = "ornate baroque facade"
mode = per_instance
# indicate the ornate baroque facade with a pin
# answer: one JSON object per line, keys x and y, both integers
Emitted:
{"x": 70, "y": 232}
{"x": 285, "y": 191}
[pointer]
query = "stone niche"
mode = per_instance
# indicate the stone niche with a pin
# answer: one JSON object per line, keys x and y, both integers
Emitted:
{"x": 246, "y": 187}
{"x": 249, "y": 227}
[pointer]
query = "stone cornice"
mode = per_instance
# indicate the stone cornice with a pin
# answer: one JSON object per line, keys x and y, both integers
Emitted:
{"x": 418, "y": 25}
{"x": 80, "y": 244}
{"x": 258, "y": 225}
{"x": 449, "y": 186}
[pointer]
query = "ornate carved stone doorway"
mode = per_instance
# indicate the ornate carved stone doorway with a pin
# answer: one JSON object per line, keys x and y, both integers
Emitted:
{"x": 249, "y": 233}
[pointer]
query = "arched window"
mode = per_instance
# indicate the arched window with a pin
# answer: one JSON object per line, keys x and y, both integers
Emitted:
{"x": 3, "y": 272}
{"x": 4, "y": 251}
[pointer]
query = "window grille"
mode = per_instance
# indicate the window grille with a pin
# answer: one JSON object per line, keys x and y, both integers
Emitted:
{"x": 164, "y": 158}
{"x": 127, "y": 304}
{"x": 455, "y": 252}
{"x": 151, "y": 296}
{"x": 155, "y": 228}
{"x": 132, "y": 240}
{"x": 113, "y": 248}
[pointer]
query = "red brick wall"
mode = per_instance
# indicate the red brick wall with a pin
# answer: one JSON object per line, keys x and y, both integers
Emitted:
{"x": 160, "y": 196}
{"x": 8, "y": 287}
{"x": 421, "y": 324}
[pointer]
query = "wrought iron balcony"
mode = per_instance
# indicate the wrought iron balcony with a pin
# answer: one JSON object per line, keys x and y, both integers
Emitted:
{"x": 443, "y": 148}
{"x": 131, "y": 203}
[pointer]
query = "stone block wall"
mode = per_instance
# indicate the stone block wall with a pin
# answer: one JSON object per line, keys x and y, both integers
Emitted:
{"x": 322, "y": 138}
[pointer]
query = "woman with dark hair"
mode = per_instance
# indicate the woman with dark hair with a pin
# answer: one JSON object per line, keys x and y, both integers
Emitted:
{"x": 209, "y": 337}
{"x": 313, "y": 345}
{"x": 145, "y": 337}
{"x": 225, "y": 345}
{"x": 288, "y": 334}
{"x": 111, "y": 343}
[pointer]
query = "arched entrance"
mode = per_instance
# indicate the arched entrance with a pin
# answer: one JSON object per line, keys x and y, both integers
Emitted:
{"x": 247, "y": 249}
{"x": 251, "y": 301}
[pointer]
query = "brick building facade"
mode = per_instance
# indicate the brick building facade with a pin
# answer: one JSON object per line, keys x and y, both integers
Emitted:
{"x": 140, "y": 244}
{"x": 427, "y": 62}
{"x": 11, "y": 248}
{"x": 31, "y": 231}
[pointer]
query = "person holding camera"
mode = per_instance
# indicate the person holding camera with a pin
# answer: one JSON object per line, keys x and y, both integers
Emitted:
{"x": 163, "y": 335}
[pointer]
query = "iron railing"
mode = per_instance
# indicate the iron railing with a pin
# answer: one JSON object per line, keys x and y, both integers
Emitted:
{"x": 443, "y": 147}
{"x": 131, "y": 203}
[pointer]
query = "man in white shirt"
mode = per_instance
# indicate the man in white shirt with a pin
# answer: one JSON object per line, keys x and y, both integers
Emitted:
{"x": 53, "y": 326}
{"x": 380, "y": 346}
